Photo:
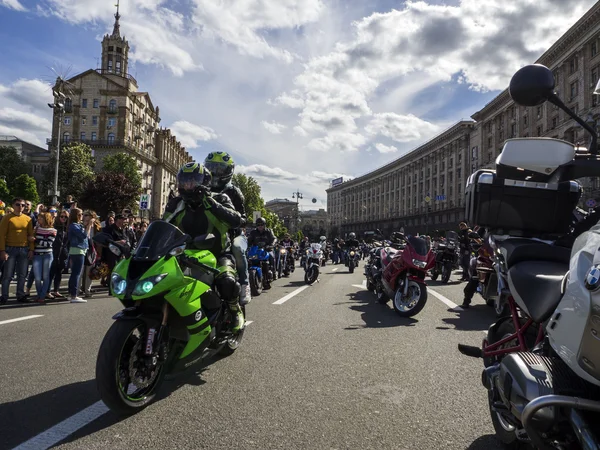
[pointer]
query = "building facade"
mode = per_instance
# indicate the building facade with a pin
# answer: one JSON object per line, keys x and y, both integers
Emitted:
{"x": 396, "y": 195}
{"x": 314, "y": 223}
{"x": 286, "y": 210}
{"x": 104, "y": 109}
{"x": 37, "y": 157}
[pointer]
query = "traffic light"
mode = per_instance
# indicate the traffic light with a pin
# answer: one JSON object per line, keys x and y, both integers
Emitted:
{"x": 429, "y": 209}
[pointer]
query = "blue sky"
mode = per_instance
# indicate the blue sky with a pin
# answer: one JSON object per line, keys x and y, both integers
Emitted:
{"x": 299, "y": 91}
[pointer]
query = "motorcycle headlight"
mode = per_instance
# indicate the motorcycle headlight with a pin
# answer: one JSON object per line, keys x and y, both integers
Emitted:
{"x": 282, "y": 251}
{"x": 351, "y": 253}
{"x": 147, "y": 284}
{"x": 118, "y": 284}
{"x": 419, "y": 263}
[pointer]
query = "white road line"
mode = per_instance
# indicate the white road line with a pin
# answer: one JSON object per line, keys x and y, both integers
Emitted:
{"x": 290, "y": 295}
{"x": 334, "y": 269}
{"x": 60, "y": 431}
{"x": 448, "y": 302}
{"x": 360, "y": 286}
{"x": 18, "y": 319}
{"x": 248, "y": 322}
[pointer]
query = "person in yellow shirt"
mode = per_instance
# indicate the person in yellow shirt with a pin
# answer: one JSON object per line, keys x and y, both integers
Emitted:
{"x": 16, "y": 248}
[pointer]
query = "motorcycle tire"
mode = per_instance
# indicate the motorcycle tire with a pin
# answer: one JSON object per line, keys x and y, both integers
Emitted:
{"x": 256, "y": 286}
{"x": 370, "y": 286}
{"x": 234, "y": 342}
{"x": 117, "y": 339}
{"x": 351, "y": 267}
{"x": 382, "y": 297}
{"x": 279, "y": 271}
{"x": 434, "y": 275}
{"x": 446, "y": 272}
{"x": 418, "y": 306}
{"x": 311, "y": 275}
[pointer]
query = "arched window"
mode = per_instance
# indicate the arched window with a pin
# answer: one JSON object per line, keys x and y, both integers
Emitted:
{"x": 111, "y": 138}
{"x": 66, "y": 136}
{"x": 112, "y": 106}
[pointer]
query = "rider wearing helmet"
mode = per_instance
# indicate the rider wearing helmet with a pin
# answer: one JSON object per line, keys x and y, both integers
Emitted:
{"x": 350, "y": 242}
{"x": 263, "y": 234}
{"x": 197, "y": 211}
{"x": 221, "y": 167}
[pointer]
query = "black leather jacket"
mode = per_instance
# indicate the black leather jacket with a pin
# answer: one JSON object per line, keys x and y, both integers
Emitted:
{"x": 266, "y": 236}
{"x": 237, "y": 199}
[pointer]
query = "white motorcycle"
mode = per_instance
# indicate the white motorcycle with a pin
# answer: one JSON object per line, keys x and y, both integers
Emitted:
{"x": 314, "y": 256}
{"x": 544, "y": 384}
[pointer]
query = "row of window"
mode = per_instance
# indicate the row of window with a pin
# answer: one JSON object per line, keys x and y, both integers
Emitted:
{"x": 94, "y": 136}
{"x": 112, "y": 104}
{"x": 111, "y": 122}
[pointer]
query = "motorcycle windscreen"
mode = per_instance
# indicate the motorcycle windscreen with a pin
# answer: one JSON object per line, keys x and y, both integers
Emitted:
{"x": 451, "y": 236}
{"x": 420, "y": 246}
{"x": 160, "y": 238}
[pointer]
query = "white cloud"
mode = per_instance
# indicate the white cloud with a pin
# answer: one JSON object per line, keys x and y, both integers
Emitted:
{"x": 405, "y": 128}
{"x": 381, "y": 148}
{"x": 190, "y": 135}
{"x": 338, "y": 142}
{"x": 13, "y": 4}
{"x": 299, "y": 131}
{"x": 273, "y": 127}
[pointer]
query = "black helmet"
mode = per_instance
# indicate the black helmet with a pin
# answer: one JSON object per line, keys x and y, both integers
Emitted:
{"x": 191, "y": 179}
{"x": 260, "y": 221}
{"x": 221, "y": 167}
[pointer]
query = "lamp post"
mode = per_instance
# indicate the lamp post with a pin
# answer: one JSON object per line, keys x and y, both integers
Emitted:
{"x": 298, "y": 196}
{"x": 58, "y": 106}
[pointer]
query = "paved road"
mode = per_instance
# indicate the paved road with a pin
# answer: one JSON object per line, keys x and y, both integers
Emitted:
{"x": 328, "y": 369}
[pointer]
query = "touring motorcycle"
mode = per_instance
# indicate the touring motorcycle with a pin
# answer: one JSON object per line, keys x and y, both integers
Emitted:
{"x": 170, "y": 321}
{"x": 543, "y": 386}
{"x": 314, "y": 256}
{"x": 445, "y": 257}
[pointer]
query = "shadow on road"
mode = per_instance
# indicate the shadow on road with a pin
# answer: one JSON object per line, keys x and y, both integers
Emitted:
{"x": 438, "y": 283}
{"x": 291, "y": 283}
{"x": 375, "y": 315}
{"x": 477, "y": 317}
{"x": 487, "y": 442}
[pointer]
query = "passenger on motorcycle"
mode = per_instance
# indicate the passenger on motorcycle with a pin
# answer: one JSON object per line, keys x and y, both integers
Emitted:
{"x": 196, "y": 211}
{"x": 221, "y": 167}
{"x": 263, "y": 234}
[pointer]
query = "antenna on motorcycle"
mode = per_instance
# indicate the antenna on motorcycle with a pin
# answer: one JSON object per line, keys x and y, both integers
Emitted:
{"x": 533, "y": 85}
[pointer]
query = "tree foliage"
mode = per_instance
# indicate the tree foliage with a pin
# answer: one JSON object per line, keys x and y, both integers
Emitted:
{"x": 109, "y": 191}
{"x": 4, "y": 191}
{"x": 124, "y": 164}
{"x": 12, "y": 165}
{"x": 76, "y": 170}
{"x": 26, "y": 187}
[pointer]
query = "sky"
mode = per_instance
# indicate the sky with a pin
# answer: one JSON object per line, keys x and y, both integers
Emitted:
{"x": 299, "y": 92}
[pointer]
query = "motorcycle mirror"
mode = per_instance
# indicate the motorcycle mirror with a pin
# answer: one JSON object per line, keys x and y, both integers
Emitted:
{"x": 532, "y": 85}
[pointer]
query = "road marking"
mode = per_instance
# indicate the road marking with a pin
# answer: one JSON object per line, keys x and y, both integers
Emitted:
{"x": 58, "y": 432}
{"x": 290, "y": 295}
{"x": 248, "y": 322}
{"x": 448, "y": 302}
{"x": 334, "y": 269}
{"x": 18, "y": 319}
{"x": 360, "y": 286}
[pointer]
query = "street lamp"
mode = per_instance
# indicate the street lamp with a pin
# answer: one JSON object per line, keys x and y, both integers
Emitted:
{"x": 298, "y": 196}
{"x": 58, "y": 106}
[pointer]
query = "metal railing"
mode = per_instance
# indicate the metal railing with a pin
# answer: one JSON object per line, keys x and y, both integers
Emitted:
{"x": 117, "y": 73}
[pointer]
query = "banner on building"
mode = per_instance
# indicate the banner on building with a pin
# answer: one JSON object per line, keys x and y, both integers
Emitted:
{"x": 337, "y": 181}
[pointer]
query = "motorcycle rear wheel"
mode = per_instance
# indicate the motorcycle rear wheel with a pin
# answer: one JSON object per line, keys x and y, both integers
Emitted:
{"x": 116, "y": 359}
{"x": 434, "y": 275}
{"x": 417, "y": 303}
{"x": 234, "y": 342}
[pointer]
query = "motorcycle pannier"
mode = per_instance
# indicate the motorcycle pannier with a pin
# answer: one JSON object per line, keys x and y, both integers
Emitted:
{"x": 520, "y": 208}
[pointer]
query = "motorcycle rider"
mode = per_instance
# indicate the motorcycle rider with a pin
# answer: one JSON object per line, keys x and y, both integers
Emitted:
{"x": 350, "y": 242}
{"x": 197, "y": 211}
{"x": 222, "y": 167}
{"x": 263, "y": 234}
{"x": 465, "y": 249}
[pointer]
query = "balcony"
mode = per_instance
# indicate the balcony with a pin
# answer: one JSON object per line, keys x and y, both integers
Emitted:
{"x": 149, "y": 145}
{"x": 112, "y": 110}
{"x": 139, "y": 121}
{"x": 68, "y": 109}
{"x": 119, "y": 74}
{"x": 137, "y": 137}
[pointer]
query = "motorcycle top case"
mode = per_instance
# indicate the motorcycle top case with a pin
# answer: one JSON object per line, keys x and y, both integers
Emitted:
{"x": 520, "y": 208}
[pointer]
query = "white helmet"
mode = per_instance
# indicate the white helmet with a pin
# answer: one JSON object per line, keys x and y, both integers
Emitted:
{"x": 352, "y": 235}
{"x": 323, "y": 238}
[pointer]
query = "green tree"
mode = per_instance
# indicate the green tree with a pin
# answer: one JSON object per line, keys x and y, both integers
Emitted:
{"x": 251, "y": 190}
{"x": 76, "y": 170}
{"x": 109, "y": 191}
{"x": 4, "y": 191}
{"x": 26, "y": 187}
{"x": 12, "y": 165}
{"x": 125, "y": 164}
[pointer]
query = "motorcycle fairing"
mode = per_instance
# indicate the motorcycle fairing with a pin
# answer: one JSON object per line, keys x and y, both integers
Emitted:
{"x": 574, "y": 328}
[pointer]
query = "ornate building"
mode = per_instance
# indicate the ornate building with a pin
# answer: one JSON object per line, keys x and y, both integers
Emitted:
{"x": 286, "y": 210}
{"x": 395, "y": 195}
{"x": 105, "y": 110}
{"x": 37, "y": 157}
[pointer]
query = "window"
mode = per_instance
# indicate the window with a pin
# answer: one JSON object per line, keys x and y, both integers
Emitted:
{"x": 84, "y": 102}
{"x": 573, "y": 66}
{"x": 67, "y": 120}
{"x": 94, "y": 136}
{"x": 594, "y": 48}
{"x": 513, "y": 130}
{"x": 525, "y": 121}
{"x": 96, "y": 103}
{"x": 573, "y": 90}
{"x": 111, "y": 121}
{"x": 110, "y": 65}
{"x": 539, "y": 131}
{"x": 82, "y": 136}
{"x": 554, "y": 122}
{"x": 556, "y": 76}
{"x": 112, "y": 106}
{"x": 489, "y": 142}
{"x": 594, "y": 100}
{"x": 119, "y": 50}
{"x": 111, "y": 138}
{"x": 66, "y": 137}
{"x": 539, "y": 112}
{"x": 95, "y": 120}
{"x": 83, "y": 120}
{"x": 111, "y": 48}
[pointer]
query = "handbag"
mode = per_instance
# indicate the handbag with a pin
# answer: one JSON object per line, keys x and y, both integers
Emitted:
{"x": 90, "y": 255}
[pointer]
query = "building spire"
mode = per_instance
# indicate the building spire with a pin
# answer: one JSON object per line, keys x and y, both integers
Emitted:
{"x": 116, "y": 32}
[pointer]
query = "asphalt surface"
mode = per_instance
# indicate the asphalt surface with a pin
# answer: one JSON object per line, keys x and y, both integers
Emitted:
{"x": 328, "y": 369}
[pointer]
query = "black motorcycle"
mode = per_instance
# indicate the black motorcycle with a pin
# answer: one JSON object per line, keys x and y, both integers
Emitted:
{"x": 445, "y": 257}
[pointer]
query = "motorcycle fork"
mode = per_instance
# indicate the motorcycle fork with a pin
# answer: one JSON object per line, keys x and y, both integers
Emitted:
{"x": 154, "y": 339}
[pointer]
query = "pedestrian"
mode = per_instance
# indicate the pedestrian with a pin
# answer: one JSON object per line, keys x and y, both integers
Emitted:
{"x": 60, "y": 251}
{"x": 16, "y": 248}
{"x": 91, "y": 255}
{"x": 465, "y": 249}
{"x": 78, "y": 244}
{"x": 45, "y": 235}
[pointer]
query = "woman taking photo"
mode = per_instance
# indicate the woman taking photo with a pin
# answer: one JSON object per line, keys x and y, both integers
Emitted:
{"x": 78, "y": 245}
{"x": 90, "y": 257}
{"x": 61, "y": 253}
{"x": 42, "y": 254}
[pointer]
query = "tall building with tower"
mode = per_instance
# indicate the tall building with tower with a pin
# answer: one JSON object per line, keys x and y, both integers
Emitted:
{"x": 105, "y": 110}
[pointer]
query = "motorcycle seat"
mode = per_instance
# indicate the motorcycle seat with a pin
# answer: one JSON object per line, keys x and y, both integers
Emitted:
{"x": 389, "y": 254}
{"x": 536, "y": 287}
{"x": 517, "y": 250}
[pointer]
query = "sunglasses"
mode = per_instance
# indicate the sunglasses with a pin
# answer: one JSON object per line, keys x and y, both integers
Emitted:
{"x": 22, "y": 205}
{"x": 64, "y": 217}
{"x": 52, "y": 210}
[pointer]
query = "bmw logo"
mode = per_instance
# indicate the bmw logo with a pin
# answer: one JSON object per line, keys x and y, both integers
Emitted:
{"x": 592, "y": 281}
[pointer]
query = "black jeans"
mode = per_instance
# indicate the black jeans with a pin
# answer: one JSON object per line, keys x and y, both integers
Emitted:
{"x": 56, "y": 272}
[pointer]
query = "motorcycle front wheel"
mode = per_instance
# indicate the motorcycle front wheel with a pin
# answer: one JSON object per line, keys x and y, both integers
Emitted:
{"x": 311, "y": 275}
{"x": 351, "y": 266}
{"x": 414, "y": 302}
{"x": 256, "y": 286}
{"x": 125, "y": 382}
{"x": 446, "y": 271}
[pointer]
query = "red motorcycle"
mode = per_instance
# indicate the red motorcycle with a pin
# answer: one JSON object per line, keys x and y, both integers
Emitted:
{"x": 404, "y": 273}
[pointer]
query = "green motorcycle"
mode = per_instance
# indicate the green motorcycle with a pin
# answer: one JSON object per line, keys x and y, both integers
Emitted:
{"x": 170, "y": 321}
